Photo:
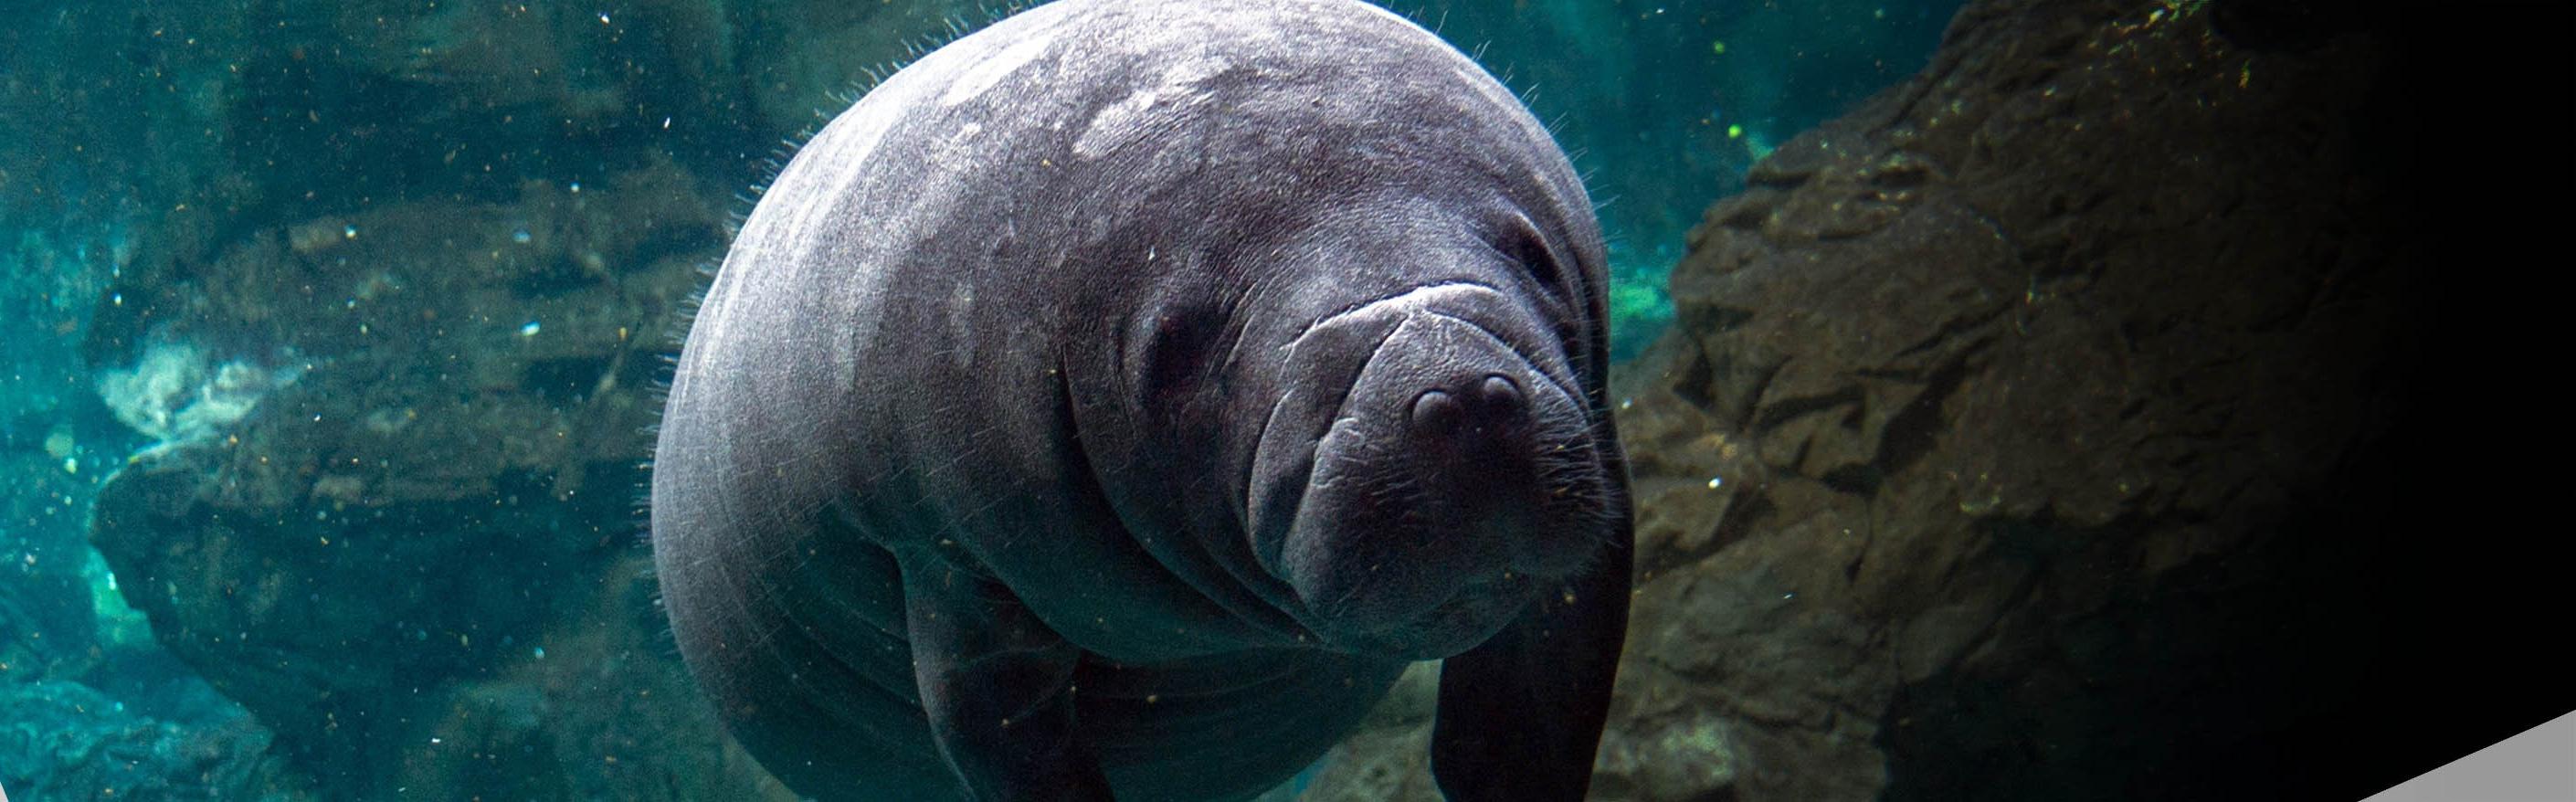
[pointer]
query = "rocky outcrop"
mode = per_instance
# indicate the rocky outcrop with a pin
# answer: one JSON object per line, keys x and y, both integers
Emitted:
{"x": 1987, "y": 401}
{"x": 418, "y": 560}
{"x": 392, "y": 339}
{"x": 74, "y": 742}
{"x": 2036, "y": 431}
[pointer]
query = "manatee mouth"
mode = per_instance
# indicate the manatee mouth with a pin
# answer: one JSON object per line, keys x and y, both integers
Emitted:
{"x": 1418, "y": 507}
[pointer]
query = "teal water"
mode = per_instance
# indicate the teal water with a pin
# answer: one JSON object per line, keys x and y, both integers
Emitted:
{"x": 217, "y": 215}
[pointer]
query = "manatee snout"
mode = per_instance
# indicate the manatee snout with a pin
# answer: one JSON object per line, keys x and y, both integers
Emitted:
{"x": 1456, "y": 477}
{"x": 1489, "y": 449}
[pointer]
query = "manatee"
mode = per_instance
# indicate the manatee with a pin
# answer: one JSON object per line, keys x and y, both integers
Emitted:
{"x": 1110, "y": 404}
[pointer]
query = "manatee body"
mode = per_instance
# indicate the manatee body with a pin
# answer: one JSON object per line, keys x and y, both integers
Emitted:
{"x": 1111, "y": 403}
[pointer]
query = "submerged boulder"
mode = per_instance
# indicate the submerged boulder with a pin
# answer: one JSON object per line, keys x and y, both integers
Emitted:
{"x": 417, "y": 562}
{"x": 65, "y": 740}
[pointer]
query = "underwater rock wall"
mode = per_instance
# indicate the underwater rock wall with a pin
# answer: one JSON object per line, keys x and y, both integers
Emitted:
{"x": 2067, "y": 423}
{"x": 428, "y": 539}
{"x": 389, "y": 341}
{"x": 90, "y": 706}
{"x": 78, "y": 743}
{"x": 2004, "y": 412}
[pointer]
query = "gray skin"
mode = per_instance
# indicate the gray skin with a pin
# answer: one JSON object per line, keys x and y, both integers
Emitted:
{"x": 1111, "y": 403}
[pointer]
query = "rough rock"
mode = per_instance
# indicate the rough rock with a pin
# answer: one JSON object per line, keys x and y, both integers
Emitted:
{"x": 63, "y": 740}
{"x": 1988, "y": 397}
{"x": 418, "y": 561}
{"x": 388, "y": 282}
{"x": 2037, "y": 430}
{"x": 399, "y": 279}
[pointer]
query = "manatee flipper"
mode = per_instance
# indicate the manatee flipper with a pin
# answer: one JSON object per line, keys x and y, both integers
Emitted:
{"x": 997, "y": 685}
{"x": 1520, "y": 715}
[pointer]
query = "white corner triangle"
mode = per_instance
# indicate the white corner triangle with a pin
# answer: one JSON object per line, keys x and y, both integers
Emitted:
{"x": 2538, "y": 765}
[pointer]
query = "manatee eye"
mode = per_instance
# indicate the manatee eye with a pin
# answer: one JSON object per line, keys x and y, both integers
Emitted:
{"x": 1524, "y": 246}
{"x": 1177, "y": 353}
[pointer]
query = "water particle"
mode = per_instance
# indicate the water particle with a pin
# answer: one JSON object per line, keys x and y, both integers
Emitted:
{"x": 1714, "y": 481}
{"x": 529, "y": 330}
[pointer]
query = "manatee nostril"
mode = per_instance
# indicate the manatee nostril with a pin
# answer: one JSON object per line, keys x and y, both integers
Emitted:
{"x": 1502, "y": 398}
{"x": 1436, "y": 412}
{"x": 1488, "y": 406}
